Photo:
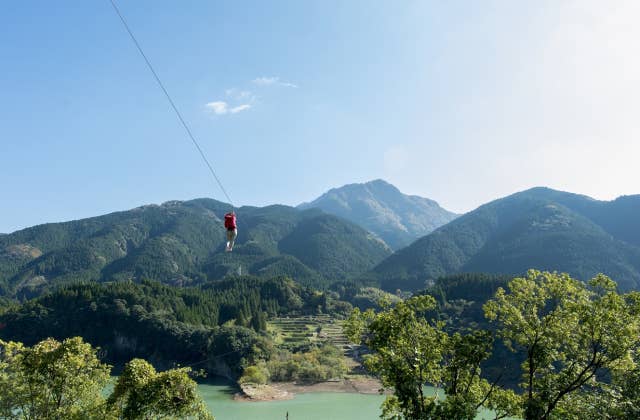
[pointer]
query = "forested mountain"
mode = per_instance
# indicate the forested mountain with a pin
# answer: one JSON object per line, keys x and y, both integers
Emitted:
{"x": 540, "y": 227}
{"x": 182, "y": 243}
{"x": 381, "y": 208}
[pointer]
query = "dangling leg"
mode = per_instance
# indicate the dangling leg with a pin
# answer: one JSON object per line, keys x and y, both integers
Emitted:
{"x": 229, "y": 240}
{"x": 232, "y": 239}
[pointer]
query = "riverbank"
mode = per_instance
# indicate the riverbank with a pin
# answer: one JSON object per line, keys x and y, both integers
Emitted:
{"x": 255, "y": 392}
{"x": 287, "y": 390}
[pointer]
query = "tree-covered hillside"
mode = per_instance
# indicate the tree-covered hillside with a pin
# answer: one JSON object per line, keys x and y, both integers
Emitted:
{"x": 540, "y": 227}
{"x": 182, "y": 243}
{"x": 381, "y": 208}
{"x": 618, "y": 217}
{"x": 218, "y": 322}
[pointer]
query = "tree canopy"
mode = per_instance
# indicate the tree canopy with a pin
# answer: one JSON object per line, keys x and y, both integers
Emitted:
{"x": 51, "y": 380}
{"x": 411, "y": 351}
{"x": 579, "y": 344}
{"x": 573, "y": 334}
{"x": 66, "y": 380}
{"x": 142, "y": 393}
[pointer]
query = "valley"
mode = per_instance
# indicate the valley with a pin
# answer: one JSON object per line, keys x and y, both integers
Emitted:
{"x": 154, "y": 282}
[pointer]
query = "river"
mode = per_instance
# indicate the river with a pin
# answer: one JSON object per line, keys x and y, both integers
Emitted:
{"x": 310, "y": 406}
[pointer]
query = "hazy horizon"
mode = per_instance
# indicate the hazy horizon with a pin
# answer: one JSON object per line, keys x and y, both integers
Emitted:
{"x": 295, "y": 204}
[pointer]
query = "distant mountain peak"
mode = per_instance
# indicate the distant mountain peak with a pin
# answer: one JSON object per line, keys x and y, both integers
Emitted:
{"x": 378, "y": 206}
{"x": 373, "y": 186}
{"x": 381, "y": 183}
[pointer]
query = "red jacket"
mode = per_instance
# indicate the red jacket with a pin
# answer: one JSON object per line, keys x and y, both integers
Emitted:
{"x": 230, "y": 221}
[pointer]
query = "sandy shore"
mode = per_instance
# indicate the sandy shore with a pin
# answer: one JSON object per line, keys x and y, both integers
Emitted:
{"x": 253, "y": 392}
{"x": 286, "y": 390}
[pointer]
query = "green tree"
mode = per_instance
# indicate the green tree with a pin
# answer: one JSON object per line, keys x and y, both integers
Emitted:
{"x": 624, "y": 391}
{"x": 65, "y": 380}
{"x": 410, "y": 352}
{"x": 573, "y": 334}
{"x": 254, "y": 375}
{"x": 51, "y": 380}
{"x": 466, "y": 390}
{"x": 628, "y": 404}
{"x": 143, "y": 393}
{"x": 315, "y": 365}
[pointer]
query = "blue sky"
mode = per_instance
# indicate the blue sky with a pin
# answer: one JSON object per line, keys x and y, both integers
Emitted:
{"x": 459, "y": 101}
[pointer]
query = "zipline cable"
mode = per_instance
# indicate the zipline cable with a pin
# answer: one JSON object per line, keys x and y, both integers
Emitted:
{"x": 184, "y": 124}
{"x": 210, "y": 358}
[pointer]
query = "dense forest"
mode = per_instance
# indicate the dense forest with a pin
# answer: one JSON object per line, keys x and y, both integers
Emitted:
{"x": 168, "y": 324}
{"x": 218, "y": 324}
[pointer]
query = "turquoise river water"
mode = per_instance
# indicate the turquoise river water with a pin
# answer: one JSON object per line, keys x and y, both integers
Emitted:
{"x": 310, "y": 406}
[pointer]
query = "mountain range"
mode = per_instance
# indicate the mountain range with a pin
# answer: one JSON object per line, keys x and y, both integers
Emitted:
{"x": 539, "y": 228}
{"x": 397, "y": 218}
{"x": 182, "y": 243}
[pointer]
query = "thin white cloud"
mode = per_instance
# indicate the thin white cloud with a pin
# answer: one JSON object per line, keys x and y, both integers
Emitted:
{"x": 238, "y": 100}
{"x": 222, "y": 108}
{"x": 218, "y": 107}
{"x": 239, "y": 108}
{"x": 264, "y": 81}
{"x": 272, "y": 81}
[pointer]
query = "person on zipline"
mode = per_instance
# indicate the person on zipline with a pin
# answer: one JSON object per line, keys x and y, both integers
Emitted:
{"x": 232, "y": 229}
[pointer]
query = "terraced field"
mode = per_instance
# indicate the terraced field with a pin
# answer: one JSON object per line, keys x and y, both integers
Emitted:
{"x": 296, "y": 332}
{"x": 299, "y": 331}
